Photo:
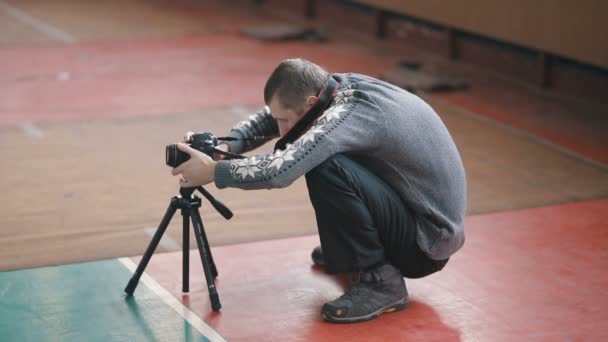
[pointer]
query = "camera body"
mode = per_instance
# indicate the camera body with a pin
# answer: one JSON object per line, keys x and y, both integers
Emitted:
{"x": 204, "y": 142}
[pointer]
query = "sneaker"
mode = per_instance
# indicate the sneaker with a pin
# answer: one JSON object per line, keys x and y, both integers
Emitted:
{"x": 375, "y": 292}
{"x": 317, "y": 256}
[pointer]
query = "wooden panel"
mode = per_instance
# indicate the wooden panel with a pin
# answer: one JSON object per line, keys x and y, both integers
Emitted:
{"x": 564, "y": 27}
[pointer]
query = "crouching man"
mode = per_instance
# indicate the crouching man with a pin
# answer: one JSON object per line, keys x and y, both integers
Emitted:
{"x": 384, "y": 177}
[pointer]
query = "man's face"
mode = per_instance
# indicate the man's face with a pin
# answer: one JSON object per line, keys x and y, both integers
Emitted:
{"x": 287, "y": 117}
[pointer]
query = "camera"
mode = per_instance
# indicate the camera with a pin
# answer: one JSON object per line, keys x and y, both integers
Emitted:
{"x": 204, "y": 142}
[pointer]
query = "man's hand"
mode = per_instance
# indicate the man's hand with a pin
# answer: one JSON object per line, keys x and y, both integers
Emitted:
{"x": 198, "y": 170}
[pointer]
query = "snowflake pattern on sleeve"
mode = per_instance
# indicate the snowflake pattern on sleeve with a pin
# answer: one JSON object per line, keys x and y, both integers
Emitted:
{"x": 257, "y": 167}
{"x": 245, "y": 123}
{"x": 248, "y": 168}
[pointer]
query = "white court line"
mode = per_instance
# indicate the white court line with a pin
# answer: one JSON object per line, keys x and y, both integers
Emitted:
{"x": 36, "y": 23}
{"x": 30, "y": 130}
{"x": 176, "y": 305}
{"x": 166, "y": 242}
{"x": 241, "y": 111}
{"x": 64, "y": 76}
{"x": 4, "y": 291}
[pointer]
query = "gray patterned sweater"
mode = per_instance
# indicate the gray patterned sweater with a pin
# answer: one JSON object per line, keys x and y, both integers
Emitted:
{"x": 391, "y": 132}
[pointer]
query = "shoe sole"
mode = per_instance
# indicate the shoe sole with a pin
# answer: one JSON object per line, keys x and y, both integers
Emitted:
{"x": 393, "y": 307}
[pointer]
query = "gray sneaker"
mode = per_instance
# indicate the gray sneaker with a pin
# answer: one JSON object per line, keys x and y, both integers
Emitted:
{"x": 375, "y": 292}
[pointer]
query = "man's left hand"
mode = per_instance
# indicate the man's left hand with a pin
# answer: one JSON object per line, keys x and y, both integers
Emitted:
{"x": 196, "y": 171}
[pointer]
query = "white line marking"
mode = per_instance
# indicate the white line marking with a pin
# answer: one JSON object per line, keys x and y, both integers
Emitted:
{"x": 63, "y": 76}
{"x": 30, "y": 130}
{"x": 176, "y": 305}
{"x": 521, "y": 133}
{"x": 36, "y": 23}
{"x": 166, "y": 242}
{"x": 5, "y": 290}
{"x": 241, "y": 111}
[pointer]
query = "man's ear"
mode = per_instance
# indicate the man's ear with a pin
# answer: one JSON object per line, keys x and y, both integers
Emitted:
{"x": 310, "y": 101}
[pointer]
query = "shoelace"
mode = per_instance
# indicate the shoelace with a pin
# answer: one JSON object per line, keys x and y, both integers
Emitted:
{"x": 351, "y": 292}
{"x": 357, "y": 283}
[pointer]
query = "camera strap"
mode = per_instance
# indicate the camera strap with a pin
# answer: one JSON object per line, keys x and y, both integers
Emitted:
{"x": 323, "y": 100}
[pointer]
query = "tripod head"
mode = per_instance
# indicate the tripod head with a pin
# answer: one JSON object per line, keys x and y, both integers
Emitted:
{"x": 219, "y": 206}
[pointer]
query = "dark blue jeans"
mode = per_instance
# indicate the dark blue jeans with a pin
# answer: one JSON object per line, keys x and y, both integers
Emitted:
{"x": 362, "y": 221}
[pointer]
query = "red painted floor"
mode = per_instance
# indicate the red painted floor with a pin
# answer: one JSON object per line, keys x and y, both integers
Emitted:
{"x": 533, "y": 275}
{"x": 581, "y": 130}
{"x": 150, "y": 77}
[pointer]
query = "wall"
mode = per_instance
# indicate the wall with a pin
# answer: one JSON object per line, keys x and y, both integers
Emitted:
{"x": 573, "y": 29}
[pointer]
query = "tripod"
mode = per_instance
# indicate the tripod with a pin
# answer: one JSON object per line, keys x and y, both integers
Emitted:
{"x": 189, "y": 204}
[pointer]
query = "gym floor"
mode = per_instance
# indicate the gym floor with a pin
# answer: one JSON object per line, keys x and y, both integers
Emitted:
{"x": 92, "y": 91}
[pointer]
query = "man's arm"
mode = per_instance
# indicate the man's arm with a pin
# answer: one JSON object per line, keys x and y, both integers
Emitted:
{"x": 200, "y": 169}
{"x": 352, "y": 124}
{"x": 260, "y": 124}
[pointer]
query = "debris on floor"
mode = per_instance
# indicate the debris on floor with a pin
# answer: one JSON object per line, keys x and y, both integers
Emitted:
{"x": 412, "y": 77}
{"x": 284, "y": 32}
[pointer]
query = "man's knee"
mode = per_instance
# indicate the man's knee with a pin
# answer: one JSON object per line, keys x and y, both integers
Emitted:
{"x": 328, "y": 169}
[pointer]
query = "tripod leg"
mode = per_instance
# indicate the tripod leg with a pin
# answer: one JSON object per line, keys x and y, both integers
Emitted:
{"x": 186, "y": 251}
{"x": 204, "y": 252}
{"x": 211, "y": 262}
{"x": 151, "y": 247}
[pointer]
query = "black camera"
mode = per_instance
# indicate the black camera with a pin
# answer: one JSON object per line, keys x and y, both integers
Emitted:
{"x": 204, "y": 142}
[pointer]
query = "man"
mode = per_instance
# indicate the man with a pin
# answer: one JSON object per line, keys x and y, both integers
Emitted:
{"x": 384, "y": 177}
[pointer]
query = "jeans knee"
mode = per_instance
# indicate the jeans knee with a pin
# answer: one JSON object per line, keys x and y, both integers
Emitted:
{"x": 327, "y": 169}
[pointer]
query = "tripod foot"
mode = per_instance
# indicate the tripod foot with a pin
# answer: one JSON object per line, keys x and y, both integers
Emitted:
{"x": 215, "y": 302}
{"x": 131, "y": 286}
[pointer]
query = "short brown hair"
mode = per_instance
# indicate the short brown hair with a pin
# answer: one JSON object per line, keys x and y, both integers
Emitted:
{"x": 292, "y": 80}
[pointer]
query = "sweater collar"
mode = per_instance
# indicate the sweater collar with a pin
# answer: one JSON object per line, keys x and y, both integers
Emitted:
{"x": 323, "y": 100}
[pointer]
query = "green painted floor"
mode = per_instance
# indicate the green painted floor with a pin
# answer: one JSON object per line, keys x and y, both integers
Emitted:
{"x": 85, "y": 302}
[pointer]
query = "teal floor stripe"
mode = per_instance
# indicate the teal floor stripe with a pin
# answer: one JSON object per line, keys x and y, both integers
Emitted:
{"x": 85, "y": 302}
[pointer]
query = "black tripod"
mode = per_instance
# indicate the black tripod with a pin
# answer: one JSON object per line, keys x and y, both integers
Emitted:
{"x": 189, "y": 205}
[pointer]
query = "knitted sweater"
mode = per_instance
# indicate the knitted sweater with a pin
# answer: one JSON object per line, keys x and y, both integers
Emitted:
{"x": 388, "y": 130}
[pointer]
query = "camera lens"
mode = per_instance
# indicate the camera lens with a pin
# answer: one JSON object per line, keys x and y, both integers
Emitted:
{"x": 174, "y": 157}
{"x": 170, "y": 155}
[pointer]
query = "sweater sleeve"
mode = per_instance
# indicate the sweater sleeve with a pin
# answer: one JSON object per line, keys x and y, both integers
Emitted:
{"x": 353, "y": 123}
{"x": 260, "y": 124}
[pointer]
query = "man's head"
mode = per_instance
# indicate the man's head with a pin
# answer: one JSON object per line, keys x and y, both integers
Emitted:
{"x": 292, "y": 89}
